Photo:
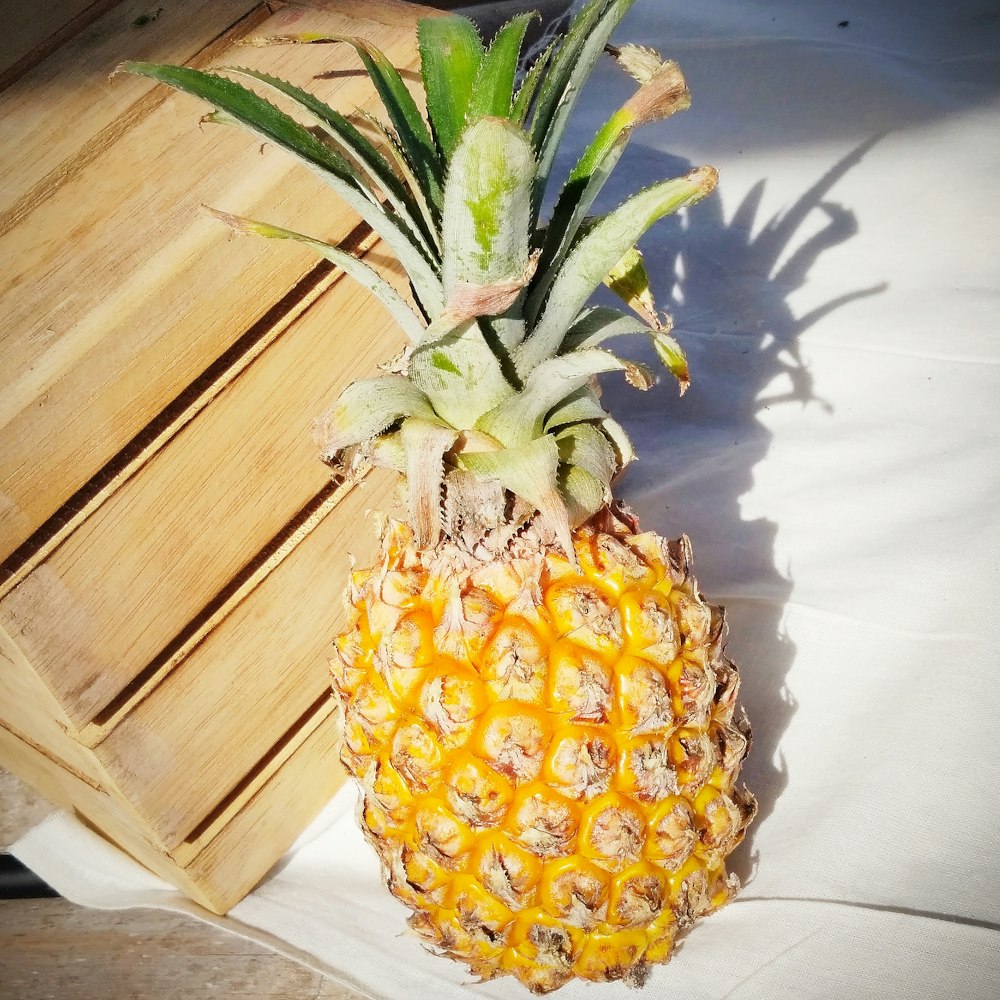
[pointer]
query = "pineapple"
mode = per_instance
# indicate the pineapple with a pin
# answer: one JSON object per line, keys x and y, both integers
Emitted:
{"x": 535, "y": 698}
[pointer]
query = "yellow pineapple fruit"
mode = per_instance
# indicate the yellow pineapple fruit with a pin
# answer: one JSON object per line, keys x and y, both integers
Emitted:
{"x": 536, "y": 702}
{"x": 547, "y": 748}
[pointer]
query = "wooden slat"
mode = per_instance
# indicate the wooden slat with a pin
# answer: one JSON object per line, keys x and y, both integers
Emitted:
{"x": 246, "y": 683}
{"x": 129, "y": 579}
{"x": 32, "y": 29}
{"x": 119, "y": 291}
{"x": 65, "y": 113}
{"x": 69, "y": 790}
{"x": 240, "y": 853}
{"x": 28, "y": 708}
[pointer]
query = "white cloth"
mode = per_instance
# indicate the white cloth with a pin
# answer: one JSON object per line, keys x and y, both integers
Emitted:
{"x": 836, "y": 466}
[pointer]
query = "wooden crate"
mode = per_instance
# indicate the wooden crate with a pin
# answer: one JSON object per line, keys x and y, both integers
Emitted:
{"x": 172, "y": 552}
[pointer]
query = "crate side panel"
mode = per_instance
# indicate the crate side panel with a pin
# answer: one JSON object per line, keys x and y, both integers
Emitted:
{"x": 34, "y": 28}
{"x": 117, "y": 592}
{"x": 29, "y": 708}
{"x": 121, "y": 291}
{"x": 97, "y": 810}
{"x": 190, "y": 742}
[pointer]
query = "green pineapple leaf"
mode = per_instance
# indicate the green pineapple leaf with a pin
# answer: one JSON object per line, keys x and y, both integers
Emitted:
{"x": 520, "y": 418}
{"x": 572, "y": 66}
{"x": 629, "y": 280}
{"x": 596, "y": 253}
{"x": 530, "y": 471}
{"x": 395, "y": 153}
{"x": 600, "y": 324}
{"x": 450, "y": 55}
{"x": 671, "y": 354}
{"x": 529, "y": 85}
{"x": 584, "y": 445}
{"x": 583, "y": 493}
{"x": 493, "y": 93}
{"x": 460, "y": 374}
{"x": 570, "y": 212}
{"x": 251, "y": 111}
{"x": 366, "y": 408}
{"x": 662, "y": 93}
{"x": 580, "y": 405}
{"x": 367, "y": 160}
{"x": 350, "y": 264}
{"x": 588, "y": 464}
{"x": 486, "y": 229}
{"x": 620, "y": 441}
{"x": 414, "y": 135}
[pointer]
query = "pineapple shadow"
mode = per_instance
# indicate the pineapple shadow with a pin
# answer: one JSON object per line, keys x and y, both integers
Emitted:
{"x": 727, "y": 285}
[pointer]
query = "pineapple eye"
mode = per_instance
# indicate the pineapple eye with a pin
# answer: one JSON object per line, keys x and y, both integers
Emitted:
{"x": 543, "y": 821}
{"x": 581, "y": 612}
{"x": 580, "y": 683}
{"x": 645, "y": 769}
{"x": 440, "y": 833}
{"x": 638, "y": 896}
{"x": 575, "y": 891}
{"x": 515, "y": 663}
{"x": 514, "y": 737}
{"x": 477, "y": 793}
{"x": 644, "y": 698}
{"x": 649, "y": 626}
{"x": 671, "y": 837}
{"x": 612, "y": 829}
{"x": 580, "y": 762}
{"x": 416, "y": 755}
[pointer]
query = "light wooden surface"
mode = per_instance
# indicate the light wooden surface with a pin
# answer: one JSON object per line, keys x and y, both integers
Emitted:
{"x": 91, "y": 113}
{"x": 238, "y": 843}
{"x": 96, "y": 343}
{"x": 113, "y": 326}
{"x": 175, "y": 534}
{"x": 51, "y": 949}
{"x": 33, "y": 28}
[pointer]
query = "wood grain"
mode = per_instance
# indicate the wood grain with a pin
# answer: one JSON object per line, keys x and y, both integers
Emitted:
{"x": 228, "y": 857}
{"x": 50, "y": 948}
{"x": 33, "y": 29}
{"x": 236, "y": 858}
{"x": 174, "y": 550}
{"x": 173, "y": 536}
{"x": 91, "y": 803}
{"x": 27, "y": 706}
{"x": 66, "y": 112}
{"x": 120, "y": 291}
{"x": 273, "y": 649}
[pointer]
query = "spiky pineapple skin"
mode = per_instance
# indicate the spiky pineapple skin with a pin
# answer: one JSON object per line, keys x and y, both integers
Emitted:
{"x": 548, "y": 753}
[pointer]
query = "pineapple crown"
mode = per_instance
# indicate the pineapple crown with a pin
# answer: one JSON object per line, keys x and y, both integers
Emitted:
{"x": 492, "y": 413}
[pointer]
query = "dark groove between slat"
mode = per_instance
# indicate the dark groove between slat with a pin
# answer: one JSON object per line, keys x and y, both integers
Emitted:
{"x": 112, "y": 475}
{"x": 218, "y": 603}
{"x": 132, "y": 116}
{"x": 261, "y": 765}
{"x": 59, "y": 37}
